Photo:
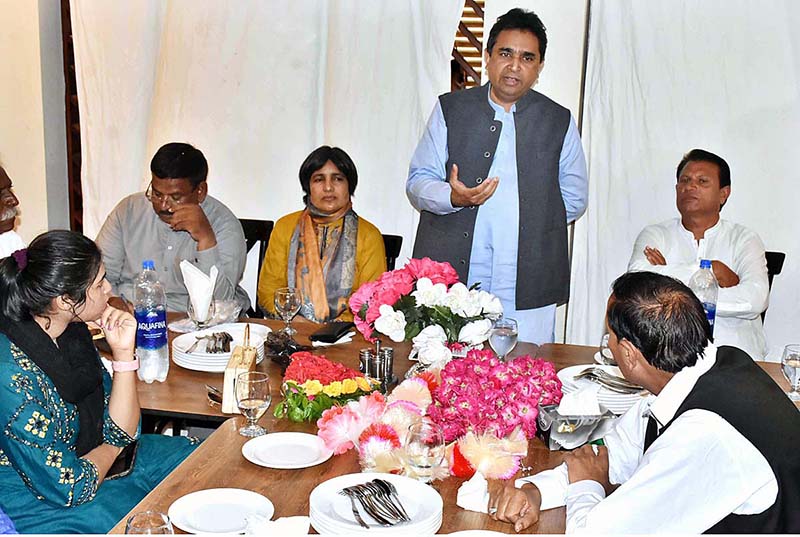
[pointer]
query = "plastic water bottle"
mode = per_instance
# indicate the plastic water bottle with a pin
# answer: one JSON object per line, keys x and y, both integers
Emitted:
{"x": 705, "y": 286}
{"x": 150, "y": 310}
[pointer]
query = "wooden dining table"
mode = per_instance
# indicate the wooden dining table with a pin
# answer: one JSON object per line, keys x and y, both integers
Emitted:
{"x": 218, "y": 462}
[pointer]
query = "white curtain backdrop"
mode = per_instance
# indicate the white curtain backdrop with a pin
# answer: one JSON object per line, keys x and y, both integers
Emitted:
{"x": 257, "y": 86}
{"x": 663, "y": 78}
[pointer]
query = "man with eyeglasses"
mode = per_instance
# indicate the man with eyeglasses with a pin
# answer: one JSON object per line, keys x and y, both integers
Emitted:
{"x": 498, "y": 175}
{"x": 9, "y": 240}
{"x": 173, "y": 220}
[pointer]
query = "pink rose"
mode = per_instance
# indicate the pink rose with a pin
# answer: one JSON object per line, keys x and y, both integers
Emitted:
{"x": 435, "y": 271}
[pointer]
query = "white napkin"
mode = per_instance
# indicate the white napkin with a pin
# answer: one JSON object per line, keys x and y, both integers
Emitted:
{"x": 473, "y": 495}
{"x": 347, "y": 338}
{"x": 200, "y": 287}
{"x": 581, "y": 402}
{"x": 290, "y": 525}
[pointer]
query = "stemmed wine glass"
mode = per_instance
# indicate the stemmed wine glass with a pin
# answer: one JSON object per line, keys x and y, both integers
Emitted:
{"x": 606, "y": 356}
{"x": 287, "y": 304}
{"x": 425, "y": 449}
{"x": 503, "y": 337}
{"x": 149, "y": 523}
{"x": 253, "y": 398}
{"x": 791, "y": 369}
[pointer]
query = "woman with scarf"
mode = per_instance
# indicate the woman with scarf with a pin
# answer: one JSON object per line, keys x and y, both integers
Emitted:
{"x": 71, "y": 457}
{"x": 326, "y": 251}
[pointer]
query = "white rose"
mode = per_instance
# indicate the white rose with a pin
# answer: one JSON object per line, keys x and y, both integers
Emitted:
{"x": 435, "y": 354}
{"x": 475, "y": 332}
{"x": 490, "y": 304}
{"x": 428, "y": 294}
{"x": 392, "y": 323}
{"x": 432, "y": 333}
{"x": 457, "y": 297}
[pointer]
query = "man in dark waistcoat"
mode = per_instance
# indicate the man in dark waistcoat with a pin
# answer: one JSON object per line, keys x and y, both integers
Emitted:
{"x": 713, "y": 450}
{"x": 498, "y": 175}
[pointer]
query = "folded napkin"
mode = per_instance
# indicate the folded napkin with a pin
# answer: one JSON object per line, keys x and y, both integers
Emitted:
{"x": 581, "y": 402}
{"x": 290, "y": 525}
{"x": 200, "y": 287}
{"x": 347, "y": 338}
{"x": 473, "y": 495}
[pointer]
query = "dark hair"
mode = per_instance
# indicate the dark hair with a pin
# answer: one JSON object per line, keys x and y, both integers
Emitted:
{"x": 701, "y": 155}
{"x": 317, "y": 160}
{"x": 177, "y": 160}
{"x": 59, "y": 263}
{"x": 661, "y": 317}
{"x": 519, "y": 19}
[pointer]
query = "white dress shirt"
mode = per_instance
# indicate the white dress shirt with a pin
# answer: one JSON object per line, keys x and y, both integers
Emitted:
{"x": 10, "y": 242}
{"x": 739, "y": 308}
{"x": 696, "y": 473}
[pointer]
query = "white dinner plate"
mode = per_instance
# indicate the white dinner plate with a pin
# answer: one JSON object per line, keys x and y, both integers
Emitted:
{"x": 286, "y": 451}
{"x": 218, "y": 510}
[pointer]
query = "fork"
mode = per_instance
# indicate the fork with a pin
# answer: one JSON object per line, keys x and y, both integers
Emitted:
{"x": 389, "y": 488}
{"x": 356, "y": 514}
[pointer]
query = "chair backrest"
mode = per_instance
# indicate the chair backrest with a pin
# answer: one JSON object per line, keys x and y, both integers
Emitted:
{"x": 774, "y": 267}
{"x": 257, "y": 232}
{"x": 392, "y": 244}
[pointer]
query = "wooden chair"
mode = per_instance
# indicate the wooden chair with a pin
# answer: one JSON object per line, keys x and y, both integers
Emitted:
{"x": 392, "y": 244}
{"x": 257, "y": 232}
{"x": 774, "y": 266}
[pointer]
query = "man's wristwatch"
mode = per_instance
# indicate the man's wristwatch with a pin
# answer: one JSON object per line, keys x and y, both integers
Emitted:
{"x": 133, "y": 365}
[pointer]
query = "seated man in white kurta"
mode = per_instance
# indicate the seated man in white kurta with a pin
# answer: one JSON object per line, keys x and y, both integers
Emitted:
{"x": 9, "y": 240}
{"x": 675, "y": 247}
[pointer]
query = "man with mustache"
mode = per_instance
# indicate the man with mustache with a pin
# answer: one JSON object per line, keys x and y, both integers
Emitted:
{"x": 175, "y": 219}
{"x": 712, "y": 450}
{"x": 675, "y": 248}
{"x": 9, "y": 240}
{"x": 497, "y": 177}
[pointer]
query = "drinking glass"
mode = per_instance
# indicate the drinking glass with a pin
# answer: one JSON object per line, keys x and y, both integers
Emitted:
{"x": 253, "y": 398}
{"x": 425, "y": 449}
{"x": 287, "y": 304}
{"x": 791, "y": 369}
{"x": 149, "y": 522}
{"x": 503, "y": 337}
{"x": 606, "y": 356}
{"x": 206, "y": 319}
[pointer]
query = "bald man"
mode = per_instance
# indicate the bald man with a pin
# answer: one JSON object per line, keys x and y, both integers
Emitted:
{"x": 9, "y": 240}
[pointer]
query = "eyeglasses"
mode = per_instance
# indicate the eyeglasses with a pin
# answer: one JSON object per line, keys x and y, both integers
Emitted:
{"x": 154, "y": 196}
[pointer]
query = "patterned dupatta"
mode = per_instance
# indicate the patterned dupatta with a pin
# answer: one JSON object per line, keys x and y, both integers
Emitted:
{"x": 322, "y": 261}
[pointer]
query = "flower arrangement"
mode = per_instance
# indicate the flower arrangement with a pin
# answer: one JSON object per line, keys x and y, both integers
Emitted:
{"x": 425, "y": 302}
{"x": 486, "y": 408}
{"x": 313, "y": 384}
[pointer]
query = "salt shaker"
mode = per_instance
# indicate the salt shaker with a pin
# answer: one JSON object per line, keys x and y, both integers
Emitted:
{"x": 387, "y": 362}
{"x": 365, "y": 359}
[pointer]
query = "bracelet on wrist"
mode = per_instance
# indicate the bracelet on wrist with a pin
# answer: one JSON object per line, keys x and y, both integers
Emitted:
{"x": 132, "y": 365}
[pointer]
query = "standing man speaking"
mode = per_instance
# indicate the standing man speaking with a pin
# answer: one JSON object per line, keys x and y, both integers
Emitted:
{"x": 498, "y": 175}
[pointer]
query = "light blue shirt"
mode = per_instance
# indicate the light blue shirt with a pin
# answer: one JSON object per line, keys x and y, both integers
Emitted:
{"x": 493, "y": 259}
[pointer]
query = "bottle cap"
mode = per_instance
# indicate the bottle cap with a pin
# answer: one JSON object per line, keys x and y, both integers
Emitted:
{"x": 148, "y": 264}
{"x": 705, "y": 263}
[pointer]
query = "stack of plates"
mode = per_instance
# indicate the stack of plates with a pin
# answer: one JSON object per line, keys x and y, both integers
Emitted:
{"x": 618, "y": 403}
{"x": 331, "y": 513}
{"x": 199, "y": 360}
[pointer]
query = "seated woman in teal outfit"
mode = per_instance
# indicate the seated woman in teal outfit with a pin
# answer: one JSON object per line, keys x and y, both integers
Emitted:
{"x": 71, "y": 457}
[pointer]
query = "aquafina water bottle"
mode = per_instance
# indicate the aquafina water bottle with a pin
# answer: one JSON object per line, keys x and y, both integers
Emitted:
{"x": 150, "y": 310}
{"x": 705, "y": 286}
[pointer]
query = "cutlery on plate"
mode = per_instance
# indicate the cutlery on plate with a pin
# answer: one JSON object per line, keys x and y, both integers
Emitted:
{"x": 609, "y": 381}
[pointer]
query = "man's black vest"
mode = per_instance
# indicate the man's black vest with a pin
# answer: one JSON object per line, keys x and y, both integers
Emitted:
{"x": 472, "y": 137}
{"x": 745, "y": 396}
